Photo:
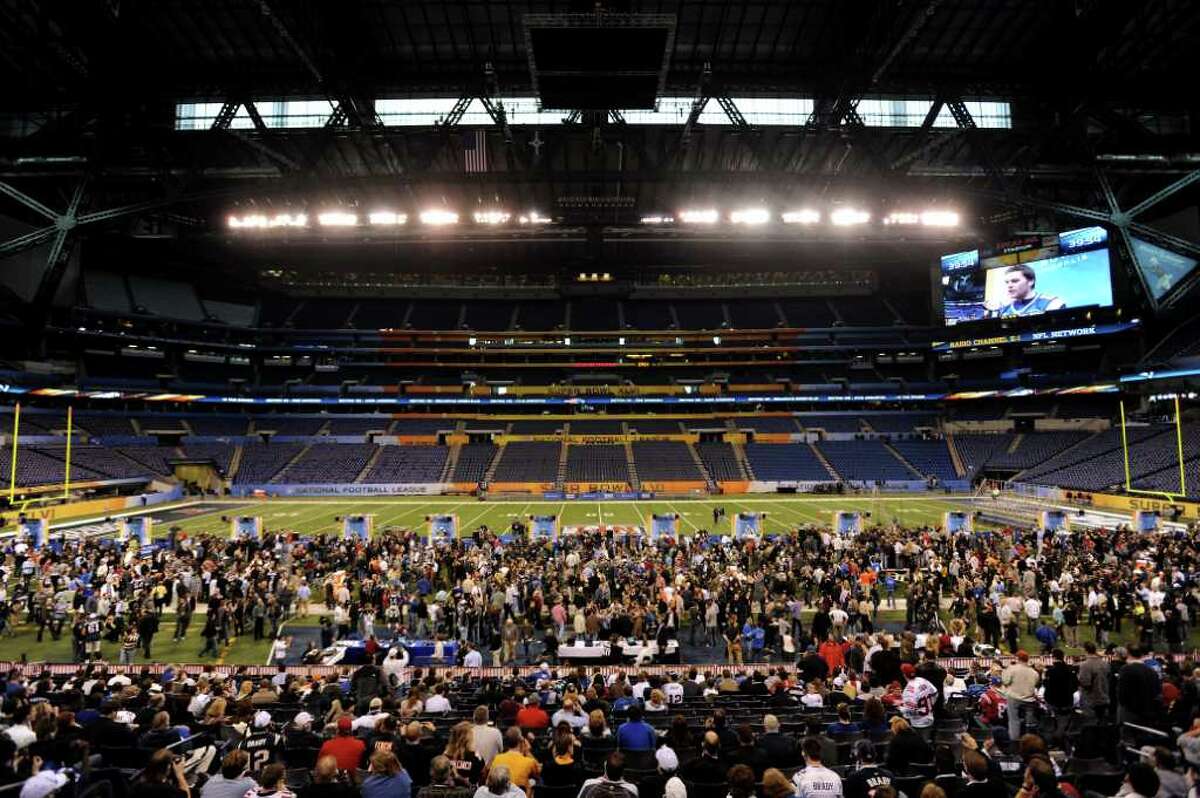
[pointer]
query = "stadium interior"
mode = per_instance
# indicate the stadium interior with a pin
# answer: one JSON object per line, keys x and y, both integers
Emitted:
{"x": 275, "y": 270}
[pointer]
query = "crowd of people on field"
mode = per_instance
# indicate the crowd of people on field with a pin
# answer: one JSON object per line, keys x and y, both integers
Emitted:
{"x": 755, "y": 598}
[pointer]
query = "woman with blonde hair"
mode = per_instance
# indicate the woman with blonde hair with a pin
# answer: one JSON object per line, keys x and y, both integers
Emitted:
{"x": 657, "y": 702}
{"x": 386, "y": 777}
{"x": 907, "y": 747}
{"x": 214, "y": 713}
{"x": 460, "y": 750}
{"x": 776, "y": 785}
{"x": 597, "y": 727}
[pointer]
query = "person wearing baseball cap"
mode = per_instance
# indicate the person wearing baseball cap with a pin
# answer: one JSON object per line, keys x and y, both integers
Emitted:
{"x": 299, "y": 733}
{"x": 345, "y": 747}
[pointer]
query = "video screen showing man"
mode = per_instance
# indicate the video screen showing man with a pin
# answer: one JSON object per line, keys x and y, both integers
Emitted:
{"x": 1020, "y": 286}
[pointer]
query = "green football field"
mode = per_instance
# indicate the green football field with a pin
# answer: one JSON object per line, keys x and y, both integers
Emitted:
{"x": 314, "y": 516}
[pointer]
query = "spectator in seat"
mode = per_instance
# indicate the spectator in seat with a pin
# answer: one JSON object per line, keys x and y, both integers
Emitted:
{"x": 779, "y": 749}
{"x": 386, "y": 778}
{"x": 636, "y": 734}
{"x": 1041, "y": 780}
{"x": 273, "y": 785}
{"x": 326, "y": 782}
{"x": 843, "y": 725}
{"x": 741, "y": 781}
{"x": 708, "y": 768}
{"x": 868, "y": 774}
{"x": 106, "y": 731}
{"x": 570, "y": 714}
{"x": 344, "y": 747}
{"x": 519, "y": 766}
{"x": 907, "y": 746}
{"x": 775, "y": 785}
{"x": 161, "y": 733}
{"x": 443, "y": 781}
{"x": 978, "y": 779}
{"x": 665, "y": 783}
{"x": 439, "y": 703}
{"x": 163, "y": 777}
{"x": 560, "y": 767}
{"x": 1140, "y": 782}
{"x": 597, "y": 727}
{"x": 499, "y": 785}
{"x": 413, "y": 754}
{"x": 612, "y": 780}
{"x": 532, "y": 716}
{"x": 468, "y": 767}
{"x": 234, "y": 779}
{"x": 1139, "y": 691}
{"x": 487, "y": 738}
{"x": 299, "y": 733}
{"x": 816, "y": 780}
{"x": 747, "y": 753}
{"x": 874, "y": 722}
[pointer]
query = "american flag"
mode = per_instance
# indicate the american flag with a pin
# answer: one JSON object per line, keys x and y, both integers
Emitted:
{"x": 475, "y": 151}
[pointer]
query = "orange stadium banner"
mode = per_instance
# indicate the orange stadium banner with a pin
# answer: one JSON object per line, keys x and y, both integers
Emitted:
{"x": 734, "y": 486}
{"x": 596, "y": 487}
{"x": 536, "y": 488}
{"x": 676, "y": 486}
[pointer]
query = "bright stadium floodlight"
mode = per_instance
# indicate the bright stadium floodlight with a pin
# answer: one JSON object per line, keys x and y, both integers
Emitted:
{"x": 708, "y": 216}
{"x": 438, "y": 218}
{"x": 902, "y": 217}
{"x": 939, "y": 219}
{"x": 289, "y": 220}
{"x": 750, "y": 216}
{"x": 657, "y": 219}
{"x": 533, "y": 217}
{"x": 249, "y": 221}
{"x": 844, "y": 217}
{"x": 803, "y": 216}
{"x": 492, "y": 217}
{"x": 387, "y": 218}
{"x": 337, "y": 219}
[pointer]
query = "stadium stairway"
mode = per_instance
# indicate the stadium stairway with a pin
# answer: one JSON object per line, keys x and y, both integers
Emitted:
{"x": 828, "y": 466}
{"x": 490, "y": 474}
{"x": 708, "y": 480}
{"x": 451, "y": 464}
{"x": 955, "y": 457}
{"x": 234, "y": 462}
{"x": 560, "y": 476}
{"x": 739, "y": 453}
{"x": 634, "y": 481}
{"x": 1016, "y": 443}
{"x": 896, "y": 453}
{"x": 374, "y": 458}
{"x": 299, "y": 456}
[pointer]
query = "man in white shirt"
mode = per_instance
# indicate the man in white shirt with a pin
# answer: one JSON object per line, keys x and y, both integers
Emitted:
{"x": 438, "y": 702}
{"x": 473, "y": 658}
{"x": 488, "y": 740}
{"x": 916, "y": 702}
{"x": 816, "y": 780}
{"x": 1033, "y": 611}
{"x": 20, "y": 732}
{"x": 673, "y": 690}
{"x": 614, "y": 776}
{"x": 374, "y": 713}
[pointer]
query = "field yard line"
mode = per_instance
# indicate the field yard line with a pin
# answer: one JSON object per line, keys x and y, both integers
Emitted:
{"x": 419, "y": 508}
{"x": 638, "y": 510}
{"x": 467, "y": 524}
{"x": 675, "y": 510}
{"x": 599, "y": 514}
{"x": 807, "y": 517}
